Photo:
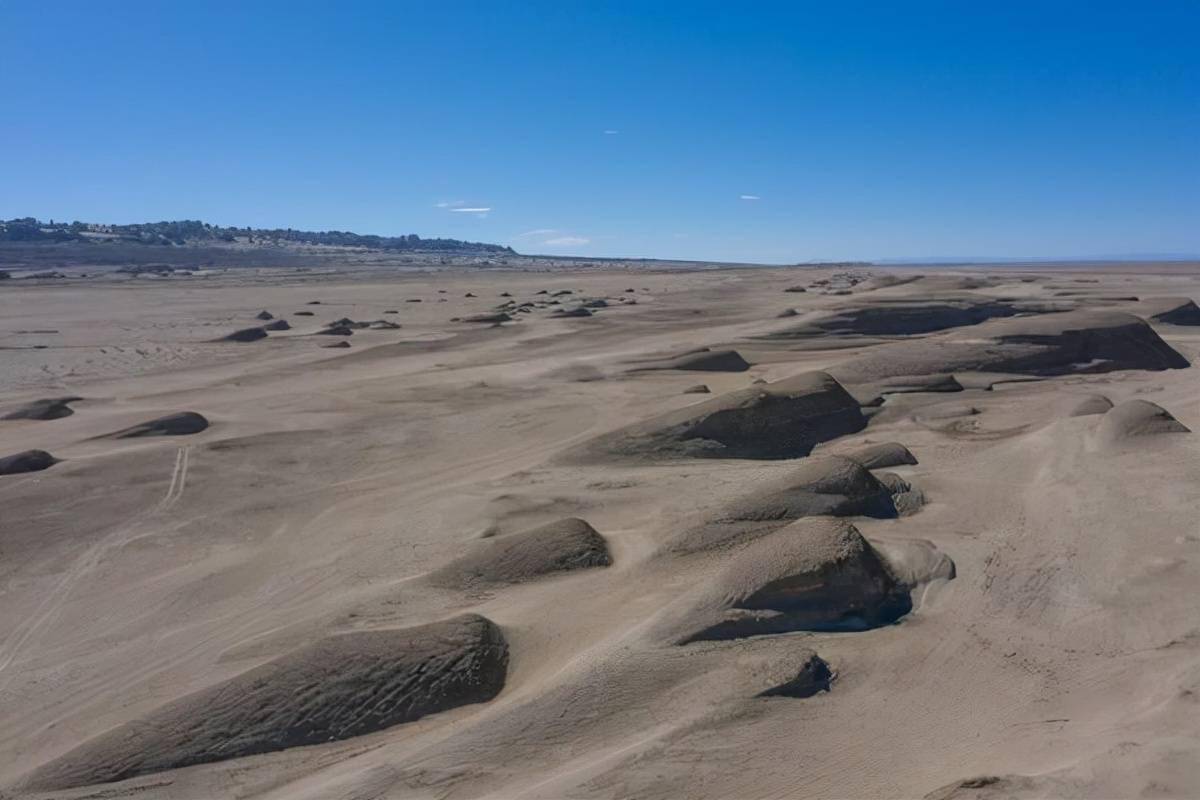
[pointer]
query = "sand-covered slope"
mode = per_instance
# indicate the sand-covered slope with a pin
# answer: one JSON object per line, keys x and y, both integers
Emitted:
{"x": 340, "y": 687}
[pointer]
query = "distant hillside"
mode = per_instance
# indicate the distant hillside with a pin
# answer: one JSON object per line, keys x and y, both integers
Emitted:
{"x": 193, "y": 232}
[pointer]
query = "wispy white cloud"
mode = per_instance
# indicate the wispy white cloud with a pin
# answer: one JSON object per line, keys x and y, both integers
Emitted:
{"x": 472, "y": 209}
{"x": 750, "y": 197}
{"x": 551, "y": 237}
{"x": 449, "y": 204}
{"x": 611, "y": 132}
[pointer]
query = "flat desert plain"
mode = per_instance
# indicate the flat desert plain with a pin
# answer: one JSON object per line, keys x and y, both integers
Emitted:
{"x": 606, "y": 533}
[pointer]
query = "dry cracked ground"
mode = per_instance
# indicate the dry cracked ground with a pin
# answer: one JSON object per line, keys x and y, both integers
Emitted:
{"x": 749, "y": 533}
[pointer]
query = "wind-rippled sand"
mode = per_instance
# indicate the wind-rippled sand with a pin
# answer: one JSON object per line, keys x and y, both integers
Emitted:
{"x": 923, "y": 535}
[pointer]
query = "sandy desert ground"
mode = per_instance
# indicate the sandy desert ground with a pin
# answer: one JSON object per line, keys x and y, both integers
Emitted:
{"x": 906, "y": 533}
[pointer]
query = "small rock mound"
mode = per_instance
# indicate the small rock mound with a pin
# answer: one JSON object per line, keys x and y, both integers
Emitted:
{"x": 785, "y": 419}
{"x": 814, "y": 575}
{"x": 182, "y": 424}
{"x": 246, "y": 335}
{"x": 796, "y": 289}
{"x": 1134, "y": 419}
{"x": 26, "y": 461}
{"x": 340, "y": 687}
{"x": 813, "y": 676}
{"x": 699, "y": 388}
{"x": 342, "y": 345}
{"x": 277, "y": 325}
{"x": 336, "y": 330}
{"x": 560, "y": 546}
{"x": 304, "y": 314}
{"x": 703, "y": 361}
{"x": 1091, "y": 405}
{"x": 46, "y": 408}
{"x": 264, "y": 315}
{"x": 879, "y": 456}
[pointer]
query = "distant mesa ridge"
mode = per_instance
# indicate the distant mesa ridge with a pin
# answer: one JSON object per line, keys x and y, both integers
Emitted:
{"x": 180, "y": 233}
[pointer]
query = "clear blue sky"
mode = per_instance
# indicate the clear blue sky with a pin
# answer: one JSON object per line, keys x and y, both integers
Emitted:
{"x": 864, "y": 130}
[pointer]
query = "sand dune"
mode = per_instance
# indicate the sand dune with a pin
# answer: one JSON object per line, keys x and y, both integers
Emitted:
{"x": 340, "y": 687}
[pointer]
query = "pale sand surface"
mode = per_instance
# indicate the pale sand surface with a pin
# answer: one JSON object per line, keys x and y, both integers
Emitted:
{"x": 1063, "y": 660}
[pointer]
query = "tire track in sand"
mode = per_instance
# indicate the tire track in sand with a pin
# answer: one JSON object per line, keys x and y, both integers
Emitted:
{"x": 50, "y": 607}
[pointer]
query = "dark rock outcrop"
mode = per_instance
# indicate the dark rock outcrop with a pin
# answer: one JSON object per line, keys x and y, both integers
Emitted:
{"x": 494, "y": 319}
{"x": 182, "y": 424}
{"x": 246, "y": 335}
{"x": 700, "y": 361}
{"x": 46, "y": 408}
{"x": 26, "y": 461}
{"x": 813, "y": 676}
{"x": 1171, "y": 310}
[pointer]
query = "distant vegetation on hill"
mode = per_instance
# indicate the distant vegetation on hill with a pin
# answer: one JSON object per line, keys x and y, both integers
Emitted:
{"x": 191, "y": 232}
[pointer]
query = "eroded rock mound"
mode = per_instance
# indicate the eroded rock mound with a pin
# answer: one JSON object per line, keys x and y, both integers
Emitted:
{"x": 495, "y": 319}
{"x": 813, "y": 575}
{"x": 560, "y": 546}
{"x": 26, "y": 461}
{"x": 182, "y": 424}
{"x": 278, "y": 325}
{"x": 901, "y": 318}
{"x": 1171, "y": 310}
{"x": 700, "y": 361}
{"x": 1134, "y": 419}
{"x": 887, "y": 454}
{"x": 785, "y": 419}
{"x": 1052, "y": 344}
{"x": 342, "y": 686}
{"x": 578, "y": 311}
{"x": 44, "y": 409}
{"x": 246, "y": 335}
{"x": 833, "y": 486}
